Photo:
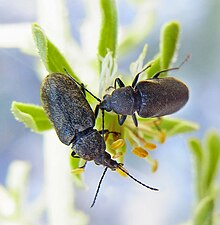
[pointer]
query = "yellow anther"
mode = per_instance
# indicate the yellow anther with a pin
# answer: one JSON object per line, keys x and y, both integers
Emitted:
{"x": 154, "y": 166}
{"x": 117, "y": 144}
{"x": 77, "y": 171}
{"x": 117, "y": 155}
{"x": 139, "y": 151}
{"x": 121, "y": 173}
{"x": 150, "y": 146}
{"x": 162, "y": 137}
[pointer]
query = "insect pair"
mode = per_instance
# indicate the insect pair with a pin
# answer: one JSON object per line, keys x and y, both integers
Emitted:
{"x": 63, "y": 99}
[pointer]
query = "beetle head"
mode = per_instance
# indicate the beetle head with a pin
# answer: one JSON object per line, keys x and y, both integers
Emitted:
{"x": 105, "y": 160}
{"x": 106, "y": 103}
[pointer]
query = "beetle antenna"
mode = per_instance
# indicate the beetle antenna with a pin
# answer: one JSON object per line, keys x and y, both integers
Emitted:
{"x": 133, "y": 178}
{"x": 174, "y": 68}
{"x": 82, "y": 86}
{"x": 99, "y": 185}
{"x": 137, "y": 76}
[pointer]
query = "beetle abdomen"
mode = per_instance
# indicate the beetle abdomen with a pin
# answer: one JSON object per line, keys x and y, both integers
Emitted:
{"x": 161, "y": 96}
{"x": 66, "y": 106}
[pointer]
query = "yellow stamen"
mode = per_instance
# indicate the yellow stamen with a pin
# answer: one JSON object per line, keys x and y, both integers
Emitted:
{"x": 77, "y": 171}
{"x": 117, "y": 155}
{"x": 117, "y": 144}
{"x": 162, "y": 137}
{"x": 121, "y": 173}
{"x": 150, "y": 146}
{"x": 139, "y": 151}
{"x": 154, "y": 166}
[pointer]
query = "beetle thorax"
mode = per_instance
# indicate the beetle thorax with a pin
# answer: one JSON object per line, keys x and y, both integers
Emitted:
{"x": 123, "y": 101}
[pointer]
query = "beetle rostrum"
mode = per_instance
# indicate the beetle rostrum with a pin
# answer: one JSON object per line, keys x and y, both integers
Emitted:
{"x": 73, "y": 119}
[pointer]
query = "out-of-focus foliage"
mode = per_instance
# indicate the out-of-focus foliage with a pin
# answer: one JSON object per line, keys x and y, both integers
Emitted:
{"x": 206, "y": 158}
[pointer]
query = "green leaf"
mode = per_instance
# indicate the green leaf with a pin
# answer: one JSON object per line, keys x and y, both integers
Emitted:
{"x": 108, "y": 34}
{"x": 168, "y": 43}
{"x": 204, "y": 211}
{"x": 53, "y": 60}
{"x": 32, "y": 116}
{"x": 176, "y": 126}
{"x": 212, "y": 155}
{"x": 197, "y": 151}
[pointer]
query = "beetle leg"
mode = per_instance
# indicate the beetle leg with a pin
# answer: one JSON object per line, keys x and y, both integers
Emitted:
{"x": 73, "y": 154}
{"x": 135, "y": 119}
{"x": 96, "y": 112}
{"x": 119, "y": 82}
{"x": 121, "y": 119}
{"x": 106, "y": 132}
{"x": 83, "y": 89}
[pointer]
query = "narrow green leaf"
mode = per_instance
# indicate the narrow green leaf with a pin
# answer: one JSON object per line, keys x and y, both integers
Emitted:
{"x": 204, "y": 211}
{"x": 32, "y": 116}
{"x": 176, "y": 126}
{"x": 212, "y": 155}
{"x": 197, "y": 152}
{"x": 168, "y": 43}
{"x": 108, "y": 34}
{"x": 53, "y": 60}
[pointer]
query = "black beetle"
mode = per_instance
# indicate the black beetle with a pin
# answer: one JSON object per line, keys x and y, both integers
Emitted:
{"x": 153, "y": 97}
{"x": 74, "y": 121}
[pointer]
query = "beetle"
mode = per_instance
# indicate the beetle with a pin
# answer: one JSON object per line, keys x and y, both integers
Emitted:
{"x": 154, "y": 97}
{"x": 73, "y": 119}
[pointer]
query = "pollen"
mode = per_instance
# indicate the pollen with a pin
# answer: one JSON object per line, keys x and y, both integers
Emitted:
{"x": 150, "y": 146}
{"x": 140, "y": 152}
{"x": 117, "y": 144}
{"x": 77, "y": 171}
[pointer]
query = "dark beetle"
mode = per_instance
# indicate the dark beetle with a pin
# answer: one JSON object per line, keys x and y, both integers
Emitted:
{"x": 74, "y": 121}
{"x": 153, "y": 97}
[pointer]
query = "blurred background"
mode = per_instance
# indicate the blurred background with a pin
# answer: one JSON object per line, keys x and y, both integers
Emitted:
{"x": 120, "y": 201}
